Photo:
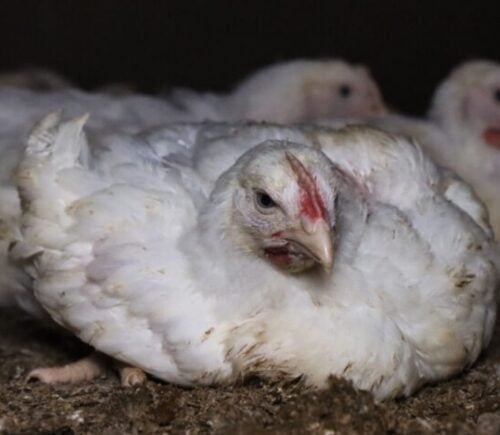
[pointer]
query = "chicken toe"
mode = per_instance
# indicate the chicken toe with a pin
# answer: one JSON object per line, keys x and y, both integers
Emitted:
{"x": 129, "y": 376}
{"x": 85, "y": 369}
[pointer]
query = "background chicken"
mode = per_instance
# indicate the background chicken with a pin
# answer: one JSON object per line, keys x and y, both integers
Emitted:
{"x": 462, "y": 132}
{"x": 293, "y": 91}
{"x": 120, "y": 258}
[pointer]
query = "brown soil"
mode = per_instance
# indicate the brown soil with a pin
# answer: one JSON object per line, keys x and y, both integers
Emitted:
{"x": 467, "y": 404}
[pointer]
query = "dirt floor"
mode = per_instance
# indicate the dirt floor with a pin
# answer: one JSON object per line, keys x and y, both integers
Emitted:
{"x": 467, "y": 404}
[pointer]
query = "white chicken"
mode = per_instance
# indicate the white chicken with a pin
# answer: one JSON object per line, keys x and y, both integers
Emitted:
{"x": 463, "y": 130}
{"x": 292, "y": 91}
{"x": 204, "y": 292}
{"x": 467, "y": 108}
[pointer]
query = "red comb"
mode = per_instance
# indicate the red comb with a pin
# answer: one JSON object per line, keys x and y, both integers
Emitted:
{"x": 311, "y": 203}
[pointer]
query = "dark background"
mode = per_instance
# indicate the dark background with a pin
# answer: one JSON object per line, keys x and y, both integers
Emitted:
{"x": 409, "y": 45}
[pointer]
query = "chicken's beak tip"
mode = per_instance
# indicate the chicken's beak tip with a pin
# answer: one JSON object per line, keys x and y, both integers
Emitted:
{"x": 318, "y": 240}
{"x": 327, "y": 267}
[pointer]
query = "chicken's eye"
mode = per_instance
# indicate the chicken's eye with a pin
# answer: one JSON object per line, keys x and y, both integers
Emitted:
{"x": 496, "y": 95}
{"x": 345, "y": 91}
{"x": 264, "y": 200}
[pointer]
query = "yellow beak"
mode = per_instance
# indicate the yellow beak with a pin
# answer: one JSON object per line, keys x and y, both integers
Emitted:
{"x": 316, "y": 238}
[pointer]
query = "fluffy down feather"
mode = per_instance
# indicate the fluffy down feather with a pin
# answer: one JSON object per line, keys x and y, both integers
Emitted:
{"x": 124, "y": 261}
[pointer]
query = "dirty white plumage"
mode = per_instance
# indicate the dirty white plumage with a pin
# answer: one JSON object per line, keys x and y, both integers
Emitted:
{"x": 121, "y": 257}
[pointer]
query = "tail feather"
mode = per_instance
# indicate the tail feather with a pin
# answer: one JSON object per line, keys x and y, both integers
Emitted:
{"x": 61, "y": 143}
{"x": 53, "y": 146}
{"x": 42, "y": 133}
